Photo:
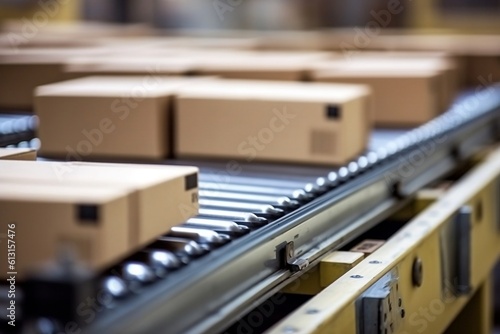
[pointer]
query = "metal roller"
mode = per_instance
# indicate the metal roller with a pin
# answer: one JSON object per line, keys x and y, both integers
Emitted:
{"x": 201, "y": 236}
{"x": 268, "y": 210}
{"x": 219, "y": 226}
{"x": 179, "y": 246}
{"x": 244, "y": 218}
{"x": 282, "y": 202}
{"x": 137, "y": 272}
{"x": 115, "y": 287}
{"x": 296, "y": 194}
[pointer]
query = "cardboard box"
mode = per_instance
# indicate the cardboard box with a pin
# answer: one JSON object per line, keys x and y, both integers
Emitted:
{"x": 447, "y": 65}
{"x": 483, "y": 70}
{"x": 219, "y": 39}
{"x": 48, "y": 219}
{"x": 286, "y": 66}
{"x": 159, "y": 197}
{"x": 476, "y": 54}
{"x": 204, "y": 41}
{"x": 154, "y": 63}
{"x": 291, "y": 40}
{"x": 107, "y": 117}
{"x": 17, "y": 154}
{"x": 160, "y": 59}
{"x": 176, "y": 186}
{"x": 482, "y": 57}
{"x": 24, "y": 70}
{"x": 401, "y": 97}
{"x": 272, "y": 121}
{"x": 19, "y": 80}
{"x": 16, "y": 41}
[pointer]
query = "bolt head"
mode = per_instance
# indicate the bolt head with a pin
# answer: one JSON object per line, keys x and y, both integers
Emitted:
{"x": 417, "y": 274}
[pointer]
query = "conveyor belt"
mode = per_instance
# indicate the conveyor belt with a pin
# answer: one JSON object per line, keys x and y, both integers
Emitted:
{"x": 18, "y": 130}
{"x": 215, "y": 267}
{"x": 228, "y": 281}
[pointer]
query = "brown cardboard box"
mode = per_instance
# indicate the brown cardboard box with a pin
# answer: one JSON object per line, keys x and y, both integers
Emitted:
{"x": 440, "y": 61}
{"x": 16, "y": 41}
{"x": 272, "y": 121}
{"x": 17, "y": 154}
{"x": 291, "y": 40}
{"x": 19, "y": 79}
{"x": 153, "y": 58}
{"x": 227, "y": 40}
{"x": 159, "y": 197}
{"x": 49, "y": 219}
{"x": 287, "y": 66}
{"x": 401, "y": 97}
{"x": 23, "y": 70}
{"x": 483, "y": 70}
{"x": 227, "y": 63}
{"x": 482, "y": 57}
{"x": 167, "y": 196}
{"x": 134, "y": 63}
{"x": 206, "y": 40}
{"x": 106, "y": 117}
{"x": 477, "y": 55}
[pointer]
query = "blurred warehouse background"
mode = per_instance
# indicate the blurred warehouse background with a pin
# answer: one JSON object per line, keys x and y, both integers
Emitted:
{"x": 464, "y": 15}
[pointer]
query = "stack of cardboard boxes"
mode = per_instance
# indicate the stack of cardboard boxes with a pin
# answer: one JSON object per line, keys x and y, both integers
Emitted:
{"x": 134, "y": 118}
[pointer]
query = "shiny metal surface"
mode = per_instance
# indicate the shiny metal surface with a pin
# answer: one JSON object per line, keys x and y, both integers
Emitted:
{"x": 137, "y": 272}
{"x": 297, "y": 193}
{"x": 218, "y": 225}
{"x": 282, "y": 201}
{"x": 203, "y": 236}
{"x": 115, "y": 287}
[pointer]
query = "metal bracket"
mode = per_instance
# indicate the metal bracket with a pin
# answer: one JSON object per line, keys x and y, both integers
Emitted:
{"x": 455, "y": 254}
{"x": 380, "y": 308}
{"x": 291, "y": 261}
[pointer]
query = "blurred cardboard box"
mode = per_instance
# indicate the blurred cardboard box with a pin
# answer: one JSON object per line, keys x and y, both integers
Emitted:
{"x": 47, "y": 220}
{"x": 225, "y": 63}
{"x": 23, "y": 70}
{"x": 483, "y": 70}
{"x": 159, "y": 198}
{"x": 441, "y": 61}
{"x": 160, "y": 63}
{"x": 476, "y": 54}
{"x": 291, "y": 40}
{"x": 107, "y": 117}
{"x": 272, "y": 65}
{"x": 13, "y": 41}
{"x": 403, "y": 95}
{"x": 210, "y": 40}
{"x": 272, "y": 121}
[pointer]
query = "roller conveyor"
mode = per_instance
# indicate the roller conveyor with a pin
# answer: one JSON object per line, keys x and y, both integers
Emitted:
{"x": 212, "y": 269}
{"x": 363, "y": 192}
{"x": 18, "y": 130}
